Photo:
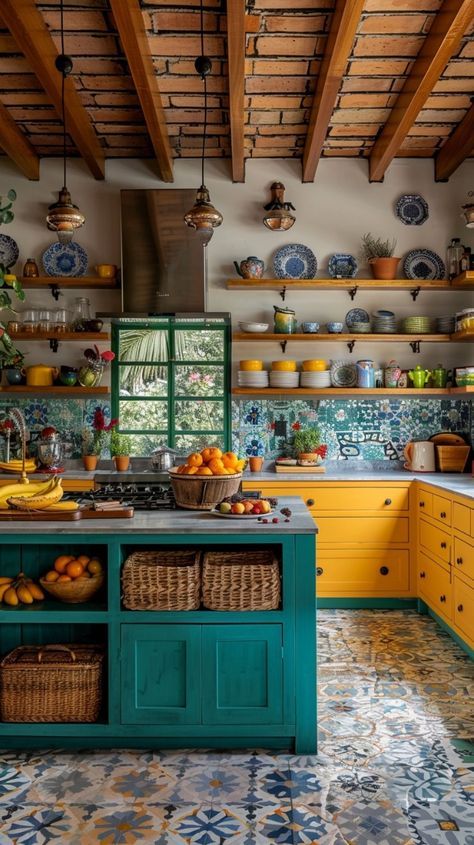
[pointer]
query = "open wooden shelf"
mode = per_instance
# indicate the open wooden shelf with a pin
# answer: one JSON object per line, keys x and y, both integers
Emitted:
{"x": 348, "y": 391}
{"x": 463, "y": 282}
{"x": 56, "y": 390}
{"x": 461, "y": 337}
{"x": 345, "y": 337}
{"x": 59, "y": 336}
{"x": 68, "y": 282}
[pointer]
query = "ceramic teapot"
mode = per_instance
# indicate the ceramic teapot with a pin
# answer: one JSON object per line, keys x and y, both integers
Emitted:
{"x": 419, "y": 376}
{"x": 40, "y": 375}
{"x": 439, "y": 376}
{"x": 250, "y": 268}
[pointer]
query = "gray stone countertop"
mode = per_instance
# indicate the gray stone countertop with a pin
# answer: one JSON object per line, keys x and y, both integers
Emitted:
{"x": 179, "y": 522}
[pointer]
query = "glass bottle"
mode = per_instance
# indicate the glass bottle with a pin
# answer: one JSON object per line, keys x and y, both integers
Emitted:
{"x": 466, "y": 259}
{"x": 454, "y": 255}
{"x": 82, "y": 313}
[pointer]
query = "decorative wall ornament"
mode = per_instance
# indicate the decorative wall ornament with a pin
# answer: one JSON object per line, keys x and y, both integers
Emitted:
{"x": 279, "y": 217}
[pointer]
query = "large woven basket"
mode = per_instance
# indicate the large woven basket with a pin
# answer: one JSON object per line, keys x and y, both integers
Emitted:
{"x": 162, "y": 580}
{"x": 241, "y": 580}
{"x": 452, "y": 458}
{"x": 51, "y": 683}
{"x": 73, "y": 592}
{"x": 203, "y": 492}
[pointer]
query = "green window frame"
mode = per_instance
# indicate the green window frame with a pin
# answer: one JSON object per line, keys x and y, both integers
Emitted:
{"x": 166, "y": 359}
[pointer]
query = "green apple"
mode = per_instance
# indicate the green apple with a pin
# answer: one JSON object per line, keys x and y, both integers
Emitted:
{"x": 225, "y": 507}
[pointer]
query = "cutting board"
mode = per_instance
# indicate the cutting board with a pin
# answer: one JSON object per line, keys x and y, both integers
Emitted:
{"x": 65, "y": 516}
{"x": 285, "y": 468}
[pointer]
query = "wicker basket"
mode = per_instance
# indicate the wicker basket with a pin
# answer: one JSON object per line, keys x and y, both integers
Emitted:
{"x": 51, "y": 683}
{"x": 241, "y": 581}
{"x": 203, "y": 492}
{"x": 452, "y": 458}
{"x": 164, "y": 580}
{"x": 73, "y": 592}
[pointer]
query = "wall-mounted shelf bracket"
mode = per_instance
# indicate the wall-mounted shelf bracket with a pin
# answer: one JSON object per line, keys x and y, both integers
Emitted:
{"x": 53, "y": 344}
{"x": 283, "y": 345}
{"x": 55, "y": 292}
{"x": 352, "y": 291}
{"x": 283, "y": 292}
{"x": 414, "y": 293}
{"x": 415, "y": 345}
{"x": 351, "y": 345}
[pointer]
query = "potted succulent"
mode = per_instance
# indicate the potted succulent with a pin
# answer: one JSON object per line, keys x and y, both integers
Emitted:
{"x": 379, "y": 256}
{"x": 307, "y": 444}
{"x": 120, "y": 448}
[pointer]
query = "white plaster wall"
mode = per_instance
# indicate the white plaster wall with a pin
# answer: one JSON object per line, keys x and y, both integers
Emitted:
{"x": 331, "y": 215}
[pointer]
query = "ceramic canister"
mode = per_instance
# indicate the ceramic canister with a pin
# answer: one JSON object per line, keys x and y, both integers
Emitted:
{"x": 365, "y": 373}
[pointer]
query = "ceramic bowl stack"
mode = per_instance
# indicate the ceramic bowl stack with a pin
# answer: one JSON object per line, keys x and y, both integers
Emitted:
{"x": 360, "y": 328}
{"x": 384, "y": 322}
{"x": 252, "y": 378}
{"x": 285, "y": 379}
{"x": 445, "y": 325}
{"x": 315, "y": 379}
{"x": 417, "y": 325}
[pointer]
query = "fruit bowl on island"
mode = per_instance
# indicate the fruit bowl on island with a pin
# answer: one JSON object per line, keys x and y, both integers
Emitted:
{"x": 243, "y": 508}
{"x": 206, "y": 478}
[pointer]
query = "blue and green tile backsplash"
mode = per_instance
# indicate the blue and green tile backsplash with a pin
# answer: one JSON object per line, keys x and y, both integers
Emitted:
{"x": 375, "y": 430}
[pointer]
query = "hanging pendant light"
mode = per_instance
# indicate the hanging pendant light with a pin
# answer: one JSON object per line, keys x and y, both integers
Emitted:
{"x": 63, "y": 216}
{"x": 203, "y": 217}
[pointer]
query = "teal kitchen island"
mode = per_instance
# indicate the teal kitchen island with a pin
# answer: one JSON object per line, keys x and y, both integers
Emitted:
{"x": 195, "y": 678}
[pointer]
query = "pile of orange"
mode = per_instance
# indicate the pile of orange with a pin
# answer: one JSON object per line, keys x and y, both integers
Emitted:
{"x": 212, "y": 461}
{"x": 70, "y": 568}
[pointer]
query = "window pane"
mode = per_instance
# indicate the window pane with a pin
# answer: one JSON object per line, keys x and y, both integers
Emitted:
{"x": 143, "y": 415}
{"x": 199, "y": 416}
{"x": 146, "y": 380}
{"x": 199, "y": 345}
{"x": 199, "y": 380}
{"x": 144, "y": 444}
{"x": 186, "y": 443}
{"x": 143, "y": 345}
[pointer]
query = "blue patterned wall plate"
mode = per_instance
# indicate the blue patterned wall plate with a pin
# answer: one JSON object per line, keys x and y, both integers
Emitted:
{"x": 9, "y": 251}
{"x": 342, "y": 266}
{"x": 412, "y": 209}
{"x": 65, "y": 259}
{"x": 295, "y": 261}
{"x": 423, "y": 264}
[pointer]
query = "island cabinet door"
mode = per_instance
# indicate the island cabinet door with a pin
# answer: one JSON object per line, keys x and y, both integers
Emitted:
{"x": 242, "y": 674}
{"x": 161, "y": 682}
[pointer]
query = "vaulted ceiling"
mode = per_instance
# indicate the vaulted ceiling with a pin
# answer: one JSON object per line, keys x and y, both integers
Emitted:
{"x": 305, "y": 79}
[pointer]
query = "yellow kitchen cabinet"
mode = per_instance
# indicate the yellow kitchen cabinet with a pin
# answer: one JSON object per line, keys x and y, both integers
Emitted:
{"x": 367, "y": 530}
{"x": 363, "y": 572}
{"x": 461, "y": 518}
{"x": 435, "y": 541}
{"x": 424, "y": 501}
{"x": 463, "y": 559}
{"x": 68, "y": 484}
{"x": 463, "y": 610}
{"x": 434, "y": 586}
{"x": 441, "y": 509}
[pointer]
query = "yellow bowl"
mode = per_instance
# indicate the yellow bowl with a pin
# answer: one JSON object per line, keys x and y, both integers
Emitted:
{"x": 251, "y": 365}
{"x": 284, "y": 366}
{"x": 314, "y": 365}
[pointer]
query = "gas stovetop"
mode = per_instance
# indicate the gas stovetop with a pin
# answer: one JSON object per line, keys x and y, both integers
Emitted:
{"x": 142, "y": 495}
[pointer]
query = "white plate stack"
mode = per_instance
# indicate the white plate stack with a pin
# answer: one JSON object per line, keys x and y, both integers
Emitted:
{"x": 280, "y": 378}
{"x": 252, "y": 378}
{"x": 315, "y": 379}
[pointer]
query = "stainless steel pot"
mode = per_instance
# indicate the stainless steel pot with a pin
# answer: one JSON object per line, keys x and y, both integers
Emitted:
{"x": 162, "y": 458}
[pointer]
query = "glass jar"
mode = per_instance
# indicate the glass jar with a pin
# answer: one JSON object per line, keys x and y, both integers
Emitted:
{"x": 454, "y": 255}
{"x": 29, "y": 320}
{"x": 45, "y": 320}
{"x": 63, "y": 321}
{"x": 82, "y": 313}
{"x": 91, "y": 374}
{"x": 284, "y": 320}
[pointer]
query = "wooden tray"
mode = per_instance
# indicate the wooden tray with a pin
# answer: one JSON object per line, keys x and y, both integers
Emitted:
{"x": 66, "y": 516}
{"x": 286, "y": 468}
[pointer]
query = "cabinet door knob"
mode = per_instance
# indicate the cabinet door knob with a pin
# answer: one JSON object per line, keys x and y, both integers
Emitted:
{"x": 442, "y": 598}
{"x": 319, "y": 570}
{"x": 310, "y": 502}
{"x": 421, "y": 504}
{"x": 443, "y": 515}
{"x": 388, "y": 501}
{"x": 422, "y": 575}
{"x": 384, "y": 570}
{"x": 459, "y": 561}
{"x": 460, "y": 608}
{"x": 443, "y": 545}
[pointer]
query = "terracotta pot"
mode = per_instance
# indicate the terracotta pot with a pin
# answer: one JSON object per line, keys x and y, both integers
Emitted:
{"x": 90, "y": 462}
{"x": 255, "y": 463}
{"x": 308, "y": 457}
{"x": 384, "y": 268}
{"x": 122, "y": 462}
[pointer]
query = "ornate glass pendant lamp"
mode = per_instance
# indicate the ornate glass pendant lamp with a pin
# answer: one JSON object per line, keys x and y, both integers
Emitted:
{"x": 203, "y": 217}
{"x": 63, "y": 216}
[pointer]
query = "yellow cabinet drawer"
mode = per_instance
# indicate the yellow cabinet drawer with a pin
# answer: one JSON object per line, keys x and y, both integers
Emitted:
{"x": 462, "y": 518}
{"x": 279, "y": 490}
{"x": 434, "y": 585}
{"x": 362, "y": 529}
{"x": 350, "y": 499}
{"x": 362, "y": 573}
{"x": 442, "y": 509}
{"x": 435, "y": 540}
{"x": 464, "y": 608}
{"x": 464, "y": 558}
{"x": 424, "y": 502}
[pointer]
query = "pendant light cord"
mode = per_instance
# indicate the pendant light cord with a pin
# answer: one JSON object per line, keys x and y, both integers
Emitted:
{"x": 63, "y": 79}
{"x": 205, "y": 99}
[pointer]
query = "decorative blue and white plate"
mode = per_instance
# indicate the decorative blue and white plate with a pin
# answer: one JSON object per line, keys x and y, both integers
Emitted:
{"x": 412, "y": 209}
{"x": 357, "y": 315}
{"x": 9, "y": 251}
{"x": 65, "y": 259}
{"x": 295, "y": 261}
{"x": 423, "y": 264}
{"x": 343, "y": 374}
{"x": 342, "y": 266}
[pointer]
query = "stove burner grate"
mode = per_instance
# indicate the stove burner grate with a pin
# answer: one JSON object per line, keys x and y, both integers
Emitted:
{"x": 141, "y": 496}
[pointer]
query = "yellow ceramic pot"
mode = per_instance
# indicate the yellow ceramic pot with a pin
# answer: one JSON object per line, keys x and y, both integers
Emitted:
{"x": 314, "y": 365}
{"x": 39, "y": 375}
{"x": 251, "y": 365}
{"x": 106, "y": 271}
{"x": 284, "y": 366}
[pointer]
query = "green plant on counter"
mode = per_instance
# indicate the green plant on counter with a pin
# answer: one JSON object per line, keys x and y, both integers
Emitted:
{"x": 90, "y": 446}
{"x": 120, "y": 444}
{"x": 306, "y": 440}
{"x": 373, "y": 247}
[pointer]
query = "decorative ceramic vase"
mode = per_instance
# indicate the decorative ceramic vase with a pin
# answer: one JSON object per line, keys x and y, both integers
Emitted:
{"x": 284, "y": 320}
{"x": 251, "y": 268}
{"x": 439, "y": 376}
{"x": 14, "y": 375}
{"x": 384, "y": 268}
{"x": 392, "y": 374}
{"x": 255, "y": 463}
{"x": 419, "y": 376}
{"x": 90, "y": 462}
{"x": 122, "y": 462}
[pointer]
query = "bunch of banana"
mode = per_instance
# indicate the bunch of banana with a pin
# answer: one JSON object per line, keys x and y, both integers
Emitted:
{"x": 40, "y": 500}
{"x": 19, "y": 589}
{"x": 16, "y": 465}
{"x": 24, "y": 491}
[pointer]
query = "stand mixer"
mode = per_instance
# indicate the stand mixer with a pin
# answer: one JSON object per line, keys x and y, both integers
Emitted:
{"x": 50, "y": 451}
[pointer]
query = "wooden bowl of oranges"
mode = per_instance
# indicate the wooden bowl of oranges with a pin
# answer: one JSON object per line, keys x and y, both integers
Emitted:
{"x": 206, "y": 478}
{"x": 73, "y": 579}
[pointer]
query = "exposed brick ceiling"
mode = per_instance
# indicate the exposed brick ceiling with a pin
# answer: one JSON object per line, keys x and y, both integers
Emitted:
{"x": 285, "y": 44}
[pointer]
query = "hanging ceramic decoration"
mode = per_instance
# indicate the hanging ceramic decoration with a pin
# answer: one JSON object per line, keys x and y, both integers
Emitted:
{"x": 342, "y": 266}
{"x": 9, "y": 251}
{"x": 295, "y": 261}
{"x": 412, "y": 209}
{"x": 65, "y": 259}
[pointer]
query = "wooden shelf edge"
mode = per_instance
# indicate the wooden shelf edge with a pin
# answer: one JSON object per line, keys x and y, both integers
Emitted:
{"x": 56, "y": 390}
{"x": 462, "y": 337}
{"x": 353, "y": 391}
{"x": 466, "y": 280}
{"x": 60, "y": 336}
{"x": 343, "y": 337}
{"x": 69, "y": 281}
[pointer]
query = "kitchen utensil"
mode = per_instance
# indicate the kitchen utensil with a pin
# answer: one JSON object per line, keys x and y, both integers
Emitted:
{"x": 295, "y": 261}
{"x": 343, "y": 374}
{"x": 163, "y": 458}
{"x": 419, "y": 376}
{"x": 289, "y": 380}
{"x": 365, "y": 373}
{"x": 68, "y": 376}
{"x": 50, "y": 453}
{"x": 40, "y": 375}
{"x": 284, "y": 320}
{"x": 314, "y": 365}
{"x": 334, "y": 327}
{"x": 284, "y": 366}
{"x": 9, "y": 251}
{"x": 82, "y": 313}
{"x": 447, "y": 438}
{"x": 250, "y": 268}
{"x": 254, "y": 327}
{"x": 420, "y": 456}
{"x": 357, "y": 315}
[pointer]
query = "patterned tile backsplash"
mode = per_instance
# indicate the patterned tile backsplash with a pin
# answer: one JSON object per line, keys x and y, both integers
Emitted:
{"x": 353, "y": 429}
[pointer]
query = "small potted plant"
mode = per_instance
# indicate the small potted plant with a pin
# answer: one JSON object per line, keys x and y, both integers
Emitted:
{"x": 120, "y": 448}
{"x": 90, "y": 450}
{"x": 307, "y": 444}
{"x": 379, "y": 256}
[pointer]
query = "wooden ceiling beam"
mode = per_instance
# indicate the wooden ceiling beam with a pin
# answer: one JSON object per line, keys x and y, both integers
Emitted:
{"x": 131, "y": 29}
{"x": 458, "y": 147}
{"x": 451, "y": 22}
{"x": 17, "y": 146}
{"x": 26, "y": 24}
{"x": 339, "y": 43}
{"x": 236, "y": 29}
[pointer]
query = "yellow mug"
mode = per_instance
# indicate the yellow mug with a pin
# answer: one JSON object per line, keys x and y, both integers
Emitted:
{"x": 106, "y": 271}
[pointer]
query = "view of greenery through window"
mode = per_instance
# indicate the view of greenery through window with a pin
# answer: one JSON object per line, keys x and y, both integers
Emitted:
{"x": 170, "y": 383}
